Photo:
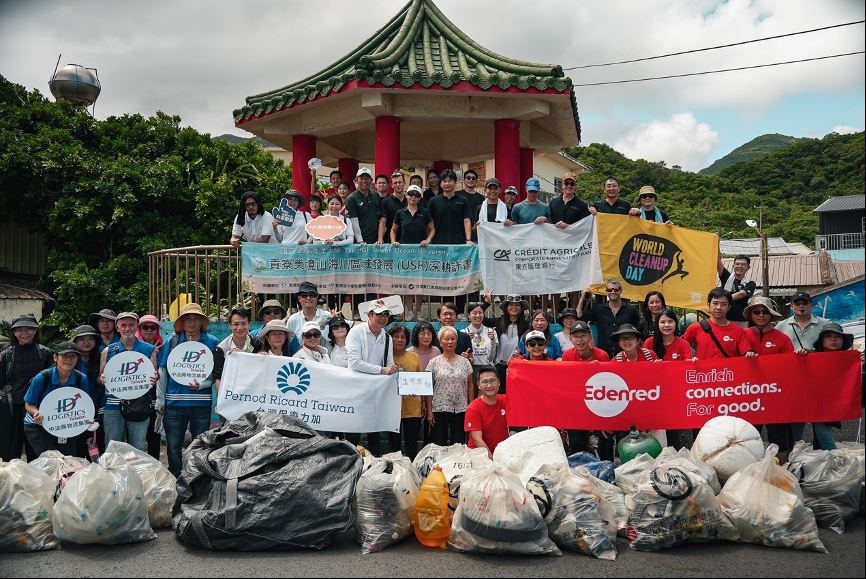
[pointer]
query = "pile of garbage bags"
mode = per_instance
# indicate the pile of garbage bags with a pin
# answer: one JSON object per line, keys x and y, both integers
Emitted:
{"x": 160, "y": 486}
{"x": 385, "y": 502}
{"x": 26, "y": 504}
{"x": 59, "y": 467}
{"x": 265, "y": 482}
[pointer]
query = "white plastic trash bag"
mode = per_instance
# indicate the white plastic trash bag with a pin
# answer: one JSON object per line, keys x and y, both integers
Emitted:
{"x": 629, "y": 475}
{"x": 578, "y": 518}
{"x": 765, "y": 503}
{"x": 525, "y": 452}
{"x": 856, "y": 451}
{"x": 104, "y": 505}
{"x": 614, "y": 496}
{"x": 675, "y": 506}
{"x": 428, "y": 457}
{"x": 59, "y": 467}
{"x": 728, "y": 444}
{"x": 26, "y": 501}
{"x": 830, "y": 482}
{"x": 498, "y": 515}
{"x": 160, "y": 486}
{"x": 384, "y": 502}
{"x": 456, "y": 463}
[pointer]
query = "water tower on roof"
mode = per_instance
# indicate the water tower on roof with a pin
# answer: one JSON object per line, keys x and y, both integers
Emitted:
{"x": 75, "y": 84}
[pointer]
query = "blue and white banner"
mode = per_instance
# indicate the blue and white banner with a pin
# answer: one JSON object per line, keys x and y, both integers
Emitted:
{"x": 325, "y": 397}
{"x": 537, "y": 259}
{"x": 438, "y": 270}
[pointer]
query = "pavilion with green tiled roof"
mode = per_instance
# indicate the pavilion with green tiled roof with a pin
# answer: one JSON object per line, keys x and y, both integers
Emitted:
{"x": 419, "y": 90}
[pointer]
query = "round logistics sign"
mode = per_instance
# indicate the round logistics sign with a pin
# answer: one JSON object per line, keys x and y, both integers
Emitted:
{"x": 190, "y": 361}
{"x": 66, "y": 412}
{"x": 127, "y": 375}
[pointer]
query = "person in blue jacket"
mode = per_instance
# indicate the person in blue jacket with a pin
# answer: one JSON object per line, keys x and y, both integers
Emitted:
{"x": 63, "y": 373}
{"x": 184, "y": 404}
{"x": 114, "y": 422}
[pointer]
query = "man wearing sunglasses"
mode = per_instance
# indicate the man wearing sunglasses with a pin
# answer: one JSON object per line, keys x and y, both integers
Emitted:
{"x": 648, "y": 210}
{"x": 308, "y": 301}
{"x": 473, "y": 197}
{"x": 609, "y": 316}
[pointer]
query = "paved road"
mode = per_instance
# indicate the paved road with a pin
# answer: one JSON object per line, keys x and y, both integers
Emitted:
{"x": 165, "y": 557}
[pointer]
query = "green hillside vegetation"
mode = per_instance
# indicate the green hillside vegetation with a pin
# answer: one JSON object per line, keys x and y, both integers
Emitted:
{"x": 755, "y": 148}
{"x": 789, "y": 182}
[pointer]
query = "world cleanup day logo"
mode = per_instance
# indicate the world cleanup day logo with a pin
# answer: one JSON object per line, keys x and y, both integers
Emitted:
{"x": 645, "y": 259}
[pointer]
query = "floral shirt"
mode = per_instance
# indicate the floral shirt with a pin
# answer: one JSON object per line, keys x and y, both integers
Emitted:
{"x": 449, "y": 383}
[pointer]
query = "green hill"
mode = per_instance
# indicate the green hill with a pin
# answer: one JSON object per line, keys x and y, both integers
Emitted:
{"x": 752, "y": 150}
{"x": 789, "y": 182}
{"x": 235, "y": 140}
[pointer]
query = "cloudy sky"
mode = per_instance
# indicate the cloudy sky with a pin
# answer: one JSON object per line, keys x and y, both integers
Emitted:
{"x": 200, "y": 58}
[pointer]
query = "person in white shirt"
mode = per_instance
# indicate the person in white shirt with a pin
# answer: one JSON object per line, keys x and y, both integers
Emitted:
{"x": 335, "y": 209}
{"x": 311, "y": 335}
{"x": 308, "y": 301}
{"x": 296, "y": 232}
{"x": 565, "y": 318}
{"x": 369, "y": 350}
{"x": 252, "y": 223}
{"x": 339, "y": 327}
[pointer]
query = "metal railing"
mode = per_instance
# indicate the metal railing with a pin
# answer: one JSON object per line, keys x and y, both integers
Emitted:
{"x": 839, "y": 241}
{"x": 209, "y": 275}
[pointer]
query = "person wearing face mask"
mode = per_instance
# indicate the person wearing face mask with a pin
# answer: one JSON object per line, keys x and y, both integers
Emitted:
{"x": 24, "y": 358}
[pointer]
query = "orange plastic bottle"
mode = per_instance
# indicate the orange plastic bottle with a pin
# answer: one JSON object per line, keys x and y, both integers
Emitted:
{"x": 432, "y": 520}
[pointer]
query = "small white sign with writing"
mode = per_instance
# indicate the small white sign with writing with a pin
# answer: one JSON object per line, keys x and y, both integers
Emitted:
{"x": 418, "y": 383}
{"x": 190, "y": 361}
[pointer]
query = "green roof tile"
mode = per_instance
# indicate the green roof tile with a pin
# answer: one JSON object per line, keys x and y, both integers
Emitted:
{"x": 419, "y": 45}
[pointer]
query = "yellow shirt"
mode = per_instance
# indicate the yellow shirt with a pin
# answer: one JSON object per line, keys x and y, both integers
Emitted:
{"x": 409, "y": 362}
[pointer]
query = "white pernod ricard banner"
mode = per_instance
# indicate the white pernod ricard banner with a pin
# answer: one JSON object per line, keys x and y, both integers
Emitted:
{"x": 325, "y": 397}
{"x": 536, "y": 259}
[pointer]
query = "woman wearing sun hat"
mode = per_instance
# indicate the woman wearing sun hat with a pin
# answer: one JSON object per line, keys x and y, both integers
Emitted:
{"x": 184, "y": 404}
{"x": 103, "y": 321}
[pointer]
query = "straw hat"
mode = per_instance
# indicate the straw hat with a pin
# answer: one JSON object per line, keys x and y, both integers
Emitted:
{"x": 191, "y": 309}
{"x": 275, "y": 325}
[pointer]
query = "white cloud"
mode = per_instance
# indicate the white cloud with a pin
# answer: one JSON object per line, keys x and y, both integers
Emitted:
{"x": 844, "y": 130}
{"x": 682, "y": 140}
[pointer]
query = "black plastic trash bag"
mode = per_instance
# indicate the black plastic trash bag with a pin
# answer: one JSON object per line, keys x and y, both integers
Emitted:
{"x": 265, "y": 482}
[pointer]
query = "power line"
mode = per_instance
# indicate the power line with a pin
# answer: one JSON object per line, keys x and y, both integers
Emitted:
{"x": 720, "y": 70}
{"x": 716, "y": 47}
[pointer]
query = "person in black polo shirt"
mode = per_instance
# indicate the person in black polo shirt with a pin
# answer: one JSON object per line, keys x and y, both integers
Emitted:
{"x": 609, "y": 316}
{"x": 567, "y": 208}
{"x": 611, "y": 202}
{"x": 475, "y": 199}
{"x": 740, "y": 285}
{"x": 362, "y": 207}
{"x": 450, "y": 213}
{"x": 390, "y": 205}
{"x": 412, "y": 224}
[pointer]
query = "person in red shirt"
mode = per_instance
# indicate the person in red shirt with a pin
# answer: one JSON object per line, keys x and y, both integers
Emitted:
{"x": 763, "y": 338}
{"x": 583, "y": 351}
{"x": 485, "y": 416}
{"x": 628, "y": 338}
{"x": 665, "y": 342}
{"x": 766, "y": 340}
{"x": 732, "y": 339}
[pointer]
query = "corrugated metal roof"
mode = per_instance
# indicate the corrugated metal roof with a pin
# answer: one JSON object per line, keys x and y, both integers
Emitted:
{"x": 752, "y": 246}
{"x": 847, "y": 270}
{"x": 14, "y": 292}
{"x": 846, "y": 203}
{"x": 785, "y": 270}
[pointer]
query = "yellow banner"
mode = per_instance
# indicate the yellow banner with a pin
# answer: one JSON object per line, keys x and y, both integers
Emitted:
{"x": 645, "y": 256}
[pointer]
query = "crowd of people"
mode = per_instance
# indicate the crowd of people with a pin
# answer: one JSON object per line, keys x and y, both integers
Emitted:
{"x": 469, "y": 365}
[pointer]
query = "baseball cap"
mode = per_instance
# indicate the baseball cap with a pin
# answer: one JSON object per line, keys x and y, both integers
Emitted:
{"x": 66, "y": 348}
{"x": 801, "y": 296}
{"x": 131, "y": 315}
{"x": 569, "y": 176}
{"x": 535, "y": 335}
{"x": 533, "y": 184}
{"x": 365, "y": 171}
{"x": 492, "y": 181}
{"x": 579, "y": 326}
{"x": 415, "y": 189}
{"x": 379, "y": 308}
{"x": 310, "y": 326}
{"x": 511, "y": 189}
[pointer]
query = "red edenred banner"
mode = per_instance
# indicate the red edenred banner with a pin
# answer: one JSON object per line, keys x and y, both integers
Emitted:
{"x": 817, "y": 387}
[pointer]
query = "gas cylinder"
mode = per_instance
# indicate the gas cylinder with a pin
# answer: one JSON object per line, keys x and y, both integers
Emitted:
{"x": 636, "y": 443}
{"x": 432, "y": 519}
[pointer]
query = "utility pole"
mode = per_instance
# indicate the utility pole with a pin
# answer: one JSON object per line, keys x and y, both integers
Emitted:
{"x": 765, "y": 257}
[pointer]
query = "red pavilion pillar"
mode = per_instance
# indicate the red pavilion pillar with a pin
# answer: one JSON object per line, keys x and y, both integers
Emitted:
{"x": 507, "y": 151}
{"x": 348, "y": 168}
{"x": 440, "y": 166}
{"x": 527, "y": 157}
{"x": 303, "y": 149}
{"x": 387, "y": 145}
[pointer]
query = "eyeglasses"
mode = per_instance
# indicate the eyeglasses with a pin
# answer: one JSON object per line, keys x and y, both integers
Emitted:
{"x": 470, "y": 178}
{"x": 489, "y": 381}
{"x": 535, "y": 343}
{"x": 311, "y": 335}
{"x": 568, "y": 183}
{"x": 414, "y": 194}
{"x": 647, "y": 196}
{"x": 613, "y": 290}
{"x": 149, "y": 328}
{"x": 761, "y": 312}
{"x": 272, "y": 312}
{"x": 307, "y": 295}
